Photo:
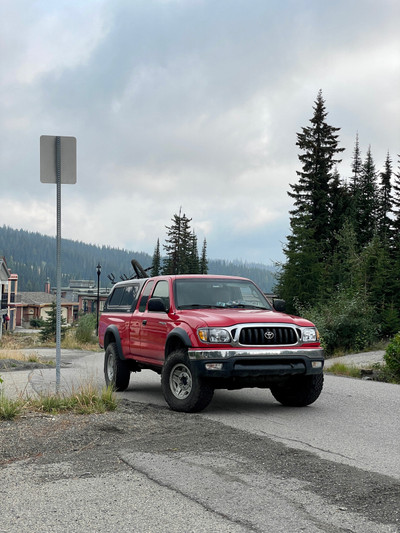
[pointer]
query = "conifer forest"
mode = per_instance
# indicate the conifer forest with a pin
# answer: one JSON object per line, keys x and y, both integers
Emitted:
{"x": 343, "y": 251}
{"x": 33, "y": 257}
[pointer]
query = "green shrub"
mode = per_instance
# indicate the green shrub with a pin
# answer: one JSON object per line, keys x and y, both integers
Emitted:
{"x": 392, "y": 358}
{"x": 85, "y": 330}
{"x": 346, "y": 322}
{"x": 36, "y": 323}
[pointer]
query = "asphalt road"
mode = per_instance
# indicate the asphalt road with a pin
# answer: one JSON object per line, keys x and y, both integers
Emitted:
{"x": 244, "y": 464}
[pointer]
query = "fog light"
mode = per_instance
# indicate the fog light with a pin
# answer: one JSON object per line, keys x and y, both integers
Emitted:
{"x": 316, "y": 364}
{"x": 214, "y": 366}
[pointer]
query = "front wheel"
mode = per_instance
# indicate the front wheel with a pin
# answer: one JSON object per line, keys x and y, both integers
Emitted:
{"x": 299, "y": 391}
{"x": 182, "y": 388}
{"x": 116, "y": 371}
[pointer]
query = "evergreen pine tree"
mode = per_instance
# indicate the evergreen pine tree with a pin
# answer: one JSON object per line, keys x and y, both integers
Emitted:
{"x": 156, "y": 263}
{"x": 310, "y": 245}
{"x": 341, "y": 207}
{"x": 346, "y": 261}
{"x": 385, "y": 204}
{"x": 396, "y": 237}
{"x": 203, "y": 260}
{"x": 49, "y": 329}
{"x": 312, "y": 194}
{"x": 366, "y": 216}
{"x": 356, "y": 167}
{"x": 194, "y": 261}
{"x": 376, "y": 267}
{"x": 396, "y": 204}
{"x": 178, "y": 245}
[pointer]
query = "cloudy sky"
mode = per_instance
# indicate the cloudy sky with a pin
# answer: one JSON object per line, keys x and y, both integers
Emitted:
{"x": 190, "y": 104}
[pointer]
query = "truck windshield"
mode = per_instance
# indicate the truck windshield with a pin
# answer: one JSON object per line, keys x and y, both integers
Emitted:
{"x": 218, "y": 293}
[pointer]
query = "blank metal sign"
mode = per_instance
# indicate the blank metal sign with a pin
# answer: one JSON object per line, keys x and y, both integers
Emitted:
{"x": 48, "y": 164}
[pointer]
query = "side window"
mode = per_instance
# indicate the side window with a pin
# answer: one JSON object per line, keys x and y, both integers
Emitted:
{"x": 122, "y": 298}
{"x": 145, "y": 296}
{"x": 162, "y": 291}
{"x": 129, "y": 296}
{"x": 116, "y": 297}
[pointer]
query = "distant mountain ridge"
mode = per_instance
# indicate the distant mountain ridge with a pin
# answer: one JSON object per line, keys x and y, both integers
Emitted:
{"x": 32, "y": 256}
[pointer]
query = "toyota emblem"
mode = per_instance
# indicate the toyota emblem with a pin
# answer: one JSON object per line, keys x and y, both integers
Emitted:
{"x": 269, "y": 335}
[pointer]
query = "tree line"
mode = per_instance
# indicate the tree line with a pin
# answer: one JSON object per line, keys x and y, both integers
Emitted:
{"x": 32, "y": 256}
{"x": 343, "y": 253}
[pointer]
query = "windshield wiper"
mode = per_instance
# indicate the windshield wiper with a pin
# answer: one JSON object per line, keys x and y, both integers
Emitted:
{"x": 229, "y": 306}
{"x": 196, "y": 306}
{"x": 247, "y": 306}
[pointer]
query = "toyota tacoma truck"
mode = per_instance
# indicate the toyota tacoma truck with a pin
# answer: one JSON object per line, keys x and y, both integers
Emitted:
{"x": 206, "y": 332}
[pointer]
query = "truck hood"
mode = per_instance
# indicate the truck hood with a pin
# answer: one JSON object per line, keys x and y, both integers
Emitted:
{"x": 225, "y": 317}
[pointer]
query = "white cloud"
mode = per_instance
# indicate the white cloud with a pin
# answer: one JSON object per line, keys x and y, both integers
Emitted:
{"x": 35, "y": 215}
{"x": 54, "y": 39}
{"x": 192, "y": 104}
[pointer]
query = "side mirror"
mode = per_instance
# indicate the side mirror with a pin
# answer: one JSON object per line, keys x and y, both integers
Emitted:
{"x": 156, "y": 304}
{"x": 279, "y": 305}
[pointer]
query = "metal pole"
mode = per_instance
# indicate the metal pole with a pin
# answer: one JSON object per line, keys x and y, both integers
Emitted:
{"x": 58, "y": 298}
{"x": 98, "y": 297}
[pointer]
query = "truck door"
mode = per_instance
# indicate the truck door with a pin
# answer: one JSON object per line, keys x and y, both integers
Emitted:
{"x": 155, "y": 326}
{"x": 137, "y": 319}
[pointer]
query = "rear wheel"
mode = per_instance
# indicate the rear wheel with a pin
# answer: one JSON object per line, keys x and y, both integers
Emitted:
{"x": 299, "y": 391}
{"x": 182, "y": 388}
{"x": 116, "y": 371}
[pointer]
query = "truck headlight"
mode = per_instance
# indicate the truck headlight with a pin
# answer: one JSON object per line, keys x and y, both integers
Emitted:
{"x": 216, "y": 335}
{"x": 310, "y": 335}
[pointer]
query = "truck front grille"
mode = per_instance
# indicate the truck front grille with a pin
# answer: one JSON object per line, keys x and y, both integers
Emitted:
{"x": 268, "y": 336}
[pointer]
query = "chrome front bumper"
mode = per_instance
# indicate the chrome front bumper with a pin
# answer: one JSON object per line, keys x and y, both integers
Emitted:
{"x": 199, "y": 355}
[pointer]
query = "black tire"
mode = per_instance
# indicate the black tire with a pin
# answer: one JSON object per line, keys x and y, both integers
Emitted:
{"x": 182, "y": 388}
{"x": 116, "y": 371}
{"x": 299, "y": 391}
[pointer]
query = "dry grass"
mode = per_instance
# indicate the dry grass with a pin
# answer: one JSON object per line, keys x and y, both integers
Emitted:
{"x": 85, "y": 400}
{"x": 70, "y": 342}
{"x": 17, "y": 355}
{"x": 341, "y": 369}
{"x": 21, "y": 341}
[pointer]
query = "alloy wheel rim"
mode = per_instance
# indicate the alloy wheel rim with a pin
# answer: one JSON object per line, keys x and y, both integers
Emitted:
{"x": 180, "y": 381}
{"x": 110, "y": 368}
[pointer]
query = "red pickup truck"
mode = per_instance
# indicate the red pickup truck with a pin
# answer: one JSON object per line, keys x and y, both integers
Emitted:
{"x": 204, "y": 332}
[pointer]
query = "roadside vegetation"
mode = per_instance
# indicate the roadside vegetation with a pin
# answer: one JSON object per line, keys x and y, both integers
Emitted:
{"x": 79, "y": 336}
{"x": 392, "y": 360}
{"x": 85, "y": 400}
{"x": 388, "y": 371}
{"x": 376, "y": 372}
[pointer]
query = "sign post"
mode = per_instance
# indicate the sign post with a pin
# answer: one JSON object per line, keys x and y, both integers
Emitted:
{"x": 58, "y": 165}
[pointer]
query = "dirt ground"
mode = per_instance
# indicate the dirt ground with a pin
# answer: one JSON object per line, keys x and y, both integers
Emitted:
{"x": 91, "y": 443}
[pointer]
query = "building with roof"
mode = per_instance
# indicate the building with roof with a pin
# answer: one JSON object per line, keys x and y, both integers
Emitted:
{"x": 8, "y": 291}
{"x": 4, "y": 274}
{"x": 36, "y": 305}
{"x": 85, "y": 293}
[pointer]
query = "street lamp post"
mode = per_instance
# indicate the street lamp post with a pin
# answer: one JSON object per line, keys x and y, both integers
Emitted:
{"x": 98, "y": 270}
